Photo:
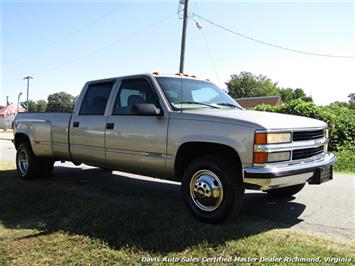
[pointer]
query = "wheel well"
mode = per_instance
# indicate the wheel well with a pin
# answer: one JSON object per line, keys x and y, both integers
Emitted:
{"x": 21, "y": 138}
{"x": 191, "y": 150}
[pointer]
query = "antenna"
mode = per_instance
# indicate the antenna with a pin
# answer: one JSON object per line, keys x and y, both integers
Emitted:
{"x": 181, "y": 94}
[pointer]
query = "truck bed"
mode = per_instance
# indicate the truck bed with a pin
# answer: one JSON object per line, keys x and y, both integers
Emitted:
{"x": 48, "y": 132}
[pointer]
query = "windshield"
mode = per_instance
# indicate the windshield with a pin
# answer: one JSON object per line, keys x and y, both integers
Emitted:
{"x": 185, "y": 93}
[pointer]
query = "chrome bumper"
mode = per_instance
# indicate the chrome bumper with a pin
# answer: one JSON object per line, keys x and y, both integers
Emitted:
{"x": 283, "y": 176}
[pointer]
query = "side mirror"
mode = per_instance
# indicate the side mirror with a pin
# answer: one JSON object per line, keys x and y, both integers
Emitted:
{"x": 146, "y": 109}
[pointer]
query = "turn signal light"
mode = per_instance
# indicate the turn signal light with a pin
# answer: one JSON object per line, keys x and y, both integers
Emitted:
{"x": 260, "y": 138}
{"x": 260, "y": 157}
{"x": 272, "y": 138}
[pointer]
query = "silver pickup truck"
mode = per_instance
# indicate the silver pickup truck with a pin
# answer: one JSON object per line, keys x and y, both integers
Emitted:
{"x": 178, "y": 128}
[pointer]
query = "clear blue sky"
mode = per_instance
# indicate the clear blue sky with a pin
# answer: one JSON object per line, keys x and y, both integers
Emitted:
{"x": 62, "y": 44}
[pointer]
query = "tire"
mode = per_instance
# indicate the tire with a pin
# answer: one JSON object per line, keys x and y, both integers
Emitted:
{"x": 29, "y": 166}
{"x": 212, "y": 189}
{"x": 285, "y": 192}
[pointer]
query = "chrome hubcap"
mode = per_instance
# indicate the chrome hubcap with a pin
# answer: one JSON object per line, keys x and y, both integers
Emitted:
{"x": 22, "y": 162}
{"x": 206, "y": 190}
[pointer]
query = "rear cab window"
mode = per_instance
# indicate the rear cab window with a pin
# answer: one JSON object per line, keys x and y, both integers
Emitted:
{"x": 96, "y": 98}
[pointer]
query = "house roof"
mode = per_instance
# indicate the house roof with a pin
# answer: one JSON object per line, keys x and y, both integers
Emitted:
{"x": 9, "y": 110}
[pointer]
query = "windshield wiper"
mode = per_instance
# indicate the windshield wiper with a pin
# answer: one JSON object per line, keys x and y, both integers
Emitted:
{"x": 229, "y": 105}
{"x": 204, "y": 104}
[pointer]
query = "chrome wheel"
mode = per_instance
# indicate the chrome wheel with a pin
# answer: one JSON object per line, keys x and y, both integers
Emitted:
{"x": 206, "y": 190}
{"x": 22, "y": 162}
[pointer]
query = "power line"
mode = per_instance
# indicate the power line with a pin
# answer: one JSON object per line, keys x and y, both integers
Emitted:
{"x": 211, "y": 57}
{"x": 271, "y": 44}
{"x": 93, "y": 22}
{"x": 121, "y": 40}
{"x": 200, "y": 28}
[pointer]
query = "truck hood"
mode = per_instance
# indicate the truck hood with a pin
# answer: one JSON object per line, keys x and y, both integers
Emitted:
{"x": 265, "y": 120}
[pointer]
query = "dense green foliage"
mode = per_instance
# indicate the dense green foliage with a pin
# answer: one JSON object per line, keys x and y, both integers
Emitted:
{"x": 38, "y": 106}
{"x": 57, "y": 102}
{"x": 60, "y": 102}
{"x": 247, "y": 84}
{"x": 345, "y": 158}
{"x": 340, "y": 119}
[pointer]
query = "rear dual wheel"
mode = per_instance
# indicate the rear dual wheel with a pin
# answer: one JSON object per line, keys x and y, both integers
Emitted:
{"x": 29, "y": 166}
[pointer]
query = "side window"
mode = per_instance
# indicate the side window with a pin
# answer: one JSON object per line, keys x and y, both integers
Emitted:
{"x": 131, "y": 92}
{"x": 95, "y": 99}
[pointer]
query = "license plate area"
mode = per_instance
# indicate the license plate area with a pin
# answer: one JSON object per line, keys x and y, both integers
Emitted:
{"x": 321, "y": 175}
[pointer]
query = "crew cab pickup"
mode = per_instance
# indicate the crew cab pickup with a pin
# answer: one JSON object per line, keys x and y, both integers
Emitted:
{"x": 178, "y": 128}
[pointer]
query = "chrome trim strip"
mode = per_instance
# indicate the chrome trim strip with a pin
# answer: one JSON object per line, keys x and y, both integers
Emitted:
{"x": 287, "y": 130}
{"x": 267, "y": 184}
{"x": 328, "y": 159}
{"x": 290, "y": 146}
{"x": 276, "y": 177}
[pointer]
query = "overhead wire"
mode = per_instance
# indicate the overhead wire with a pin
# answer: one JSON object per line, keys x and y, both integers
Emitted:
{"x": 211, "y": 57}
{"x": 115, "y": 42}
{"x": 242, "y": 35}
{"x": 200, "y": 28}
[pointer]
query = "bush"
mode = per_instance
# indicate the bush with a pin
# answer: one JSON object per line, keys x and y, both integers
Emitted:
{"x": 345, "y": 158}
{"x": 340, "y": 119}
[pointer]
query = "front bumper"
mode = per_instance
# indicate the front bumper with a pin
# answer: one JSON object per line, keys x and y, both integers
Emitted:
{"x": 283, "y": 176}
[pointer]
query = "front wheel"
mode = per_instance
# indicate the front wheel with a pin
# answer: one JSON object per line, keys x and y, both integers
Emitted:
{"x": 29, "y": 166}
{"x": 285, "y": 192}
{"x": 212, "y": 188}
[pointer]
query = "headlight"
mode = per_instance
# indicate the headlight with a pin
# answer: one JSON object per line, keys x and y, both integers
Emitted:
{"x": 326, "y": 133}
{"x": 264, "y": 157}
{"x": 278, "y": 156}
{"x": 272, "y": 138}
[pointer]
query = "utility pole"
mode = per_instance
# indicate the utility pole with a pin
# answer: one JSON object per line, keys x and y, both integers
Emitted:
{"x": 183, "y": 37}
{"x": 18, "y": 102}
{"x": 28, "y": 88}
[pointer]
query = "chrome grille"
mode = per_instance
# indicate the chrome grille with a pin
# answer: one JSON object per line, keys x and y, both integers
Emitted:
{"x": 306, "y": 153}
{"x": 308, "y": 135}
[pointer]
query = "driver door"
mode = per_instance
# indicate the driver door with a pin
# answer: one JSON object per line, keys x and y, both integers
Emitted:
{"x": 136, "y": 143}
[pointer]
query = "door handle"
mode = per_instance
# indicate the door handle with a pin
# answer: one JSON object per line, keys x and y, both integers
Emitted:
{"x": 76, "y": 124}
{"x": 110, "y": 125}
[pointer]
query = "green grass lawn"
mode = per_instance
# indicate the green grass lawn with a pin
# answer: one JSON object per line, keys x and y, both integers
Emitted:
{"x": 62, "y": 221}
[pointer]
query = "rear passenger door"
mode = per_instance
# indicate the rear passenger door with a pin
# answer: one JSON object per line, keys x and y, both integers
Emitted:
{"x": 88, "y": 124}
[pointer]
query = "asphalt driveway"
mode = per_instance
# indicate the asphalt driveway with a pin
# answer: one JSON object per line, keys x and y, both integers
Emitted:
{"x": 328, "y": 209}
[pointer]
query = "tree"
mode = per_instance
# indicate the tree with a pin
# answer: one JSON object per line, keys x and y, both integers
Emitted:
{"x": 60, "y": 102}
{"x": 32, "y": 107}
{"x": 41, "y": 105}
{"x": 300, "y": 94}
{"x": 248, "y": 85}
{"x": 286, "y": 94}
